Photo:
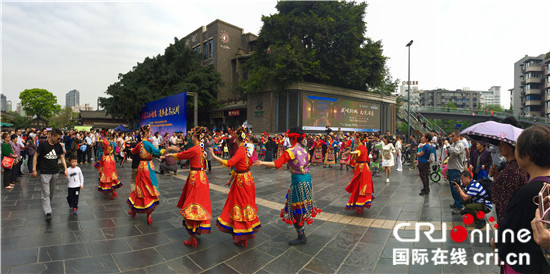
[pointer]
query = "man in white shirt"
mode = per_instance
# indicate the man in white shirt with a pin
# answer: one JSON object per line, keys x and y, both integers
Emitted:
{"x": 157, "y": 140}
{"x": 88, "y": 140}
{"x": 174, "y": 139}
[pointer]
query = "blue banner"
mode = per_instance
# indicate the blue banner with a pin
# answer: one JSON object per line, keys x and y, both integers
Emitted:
{"x": 166, "y": 115}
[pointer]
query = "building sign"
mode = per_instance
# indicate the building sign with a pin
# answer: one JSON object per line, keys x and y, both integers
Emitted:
{"x": 166, "y": 115}
{"x": 336, "y": 112}
{"x": 235, "y": 112}
{"x": 259, "y": 114}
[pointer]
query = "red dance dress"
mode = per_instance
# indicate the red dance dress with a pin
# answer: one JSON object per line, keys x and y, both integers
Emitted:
{"x": 195, "y": 197}
{"x": 108, "y": 179}
{"x": 145, "y": 197}
{"x": 361, "y": 186}
{"x": 317, "y": 152}
{"x": 239, "y": 216}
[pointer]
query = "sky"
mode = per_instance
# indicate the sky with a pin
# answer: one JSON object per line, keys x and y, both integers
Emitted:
{"x": 61, "y": 46}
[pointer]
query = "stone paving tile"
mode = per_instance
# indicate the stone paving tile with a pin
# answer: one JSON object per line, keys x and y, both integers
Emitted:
{"x": 52, "y": 267}
{"x": 250, "y": 261}
{"x": 137, "y": 259}
{"x": 101, "y": 264}
{"x": 19, "y": 256}
{"x": 290, "y": 261}
{"x": 213, "y": 256}
{"x": 221, "y": 268}
{"x": 62, "y": 252}
{"x": 107, "y": 247}
{"x": 179, "y": 265}
{"x": 327, "y": 260}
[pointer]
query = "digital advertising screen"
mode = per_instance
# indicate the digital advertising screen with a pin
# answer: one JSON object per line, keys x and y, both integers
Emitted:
{"x": 166, "y": 115}
{"x": 349, "y": 115}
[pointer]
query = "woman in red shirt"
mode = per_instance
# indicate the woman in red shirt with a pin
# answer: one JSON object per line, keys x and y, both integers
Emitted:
{"x": 195, "y": 197}
{"x": 361, "y": 186}
{"x": 239, "y": 216}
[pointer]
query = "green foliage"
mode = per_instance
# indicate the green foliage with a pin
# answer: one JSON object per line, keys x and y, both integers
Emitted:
{"x": 39, "y": 102}
{"x": 317, "y": 41}
{"x": 495, "y": 108}
{"x": 451, "y": 106}
{"x": 65, "y": 119}
{"x": 19, "y": 121}
{"x": 402, "y": 127}
{"x": 177, "y": 70}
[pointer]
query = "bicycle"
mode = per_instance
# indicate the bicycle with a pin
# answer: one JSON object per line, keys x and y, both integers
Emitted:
{"x": 436, "y": 173}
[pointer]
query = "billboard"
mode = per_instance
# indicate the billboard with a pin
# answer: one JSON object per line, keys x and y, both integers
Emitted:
{"x": 166, "y": 115}
{"x": 336, "y": 112}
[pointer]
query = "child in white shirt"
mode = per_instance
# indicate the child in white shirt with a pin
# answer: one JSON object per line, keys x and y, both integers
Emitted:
{"x": 76, "y": 183}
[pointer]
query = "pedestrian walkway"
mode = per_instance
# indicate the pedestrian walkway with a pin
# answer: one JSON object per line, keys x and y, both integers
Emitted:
{"x": 104, "y": 238}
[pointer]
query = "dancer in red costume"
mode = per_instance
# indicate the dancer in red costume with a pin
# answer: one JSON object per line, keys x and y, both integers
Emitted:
{"x": 317, "y": 151}
{"x": 108, "y": 179}
{"x": 360, "y": 187}
{"x": 195, "y": 197}
{"x": 145, "y": 197}
{"x": 239, "y": 216}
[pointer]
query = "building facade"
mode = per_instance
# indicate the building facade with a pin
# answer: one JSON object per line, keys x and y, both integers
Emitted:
{"x": 415, "y": 94}
{"x": 226, "y": 47}
{"x": 72, "y": 98}
{"x": 491, "y": 96}
{"x": 531, "y": 93}
{"x": 8, "y": 106}
{"x": 4, "y": 101}
{"x": 463, "y": 99}
{"x": 313, "y": 106}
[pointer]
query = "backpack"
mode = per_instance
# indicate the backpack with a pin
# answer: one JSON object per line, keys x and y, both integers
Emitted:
{"x": 487, "y": 184}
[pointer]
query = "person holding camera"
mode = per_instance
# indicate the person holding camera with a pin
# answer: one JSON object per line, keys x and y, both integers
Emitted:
{"x": 455, "y": 166}
{"x": 475, "y": 198}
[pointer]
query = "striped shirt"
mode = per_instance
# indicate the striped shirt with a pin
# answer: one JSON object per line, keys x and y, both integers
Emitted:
{"x": 477, "y": 191}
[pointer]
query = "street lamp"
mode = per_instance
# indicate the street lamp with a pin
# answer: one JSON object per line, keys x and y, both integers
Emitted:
{"x": 409, "y": 93}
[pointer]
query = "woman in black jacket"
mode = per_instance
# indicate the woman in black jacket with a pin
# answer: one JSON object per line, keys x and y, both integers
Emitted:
{"x": 532, "y": 156}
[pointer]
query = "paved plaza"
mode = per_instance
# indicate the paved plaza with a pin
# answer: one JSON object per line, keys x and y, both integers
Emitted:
{"x": 104, "y": 238}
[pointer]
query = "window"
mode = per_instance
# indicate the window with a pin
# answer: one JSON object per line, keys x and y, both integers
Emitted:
{"x": 210, "y": 48}
{"x": 532, "y": 86}
{"x": 197, "y": 49}
{"x": 532, "y": 97}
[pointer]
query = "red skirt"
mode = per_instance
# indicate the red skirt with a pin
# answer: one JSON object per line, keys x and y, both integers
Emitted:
{"x": 145, "y": 197}
{"x": 108, "y": 179}
{"x": 239, "y": 216}
{"x": 360, "y": 187}
{"x": 195, "y": 203}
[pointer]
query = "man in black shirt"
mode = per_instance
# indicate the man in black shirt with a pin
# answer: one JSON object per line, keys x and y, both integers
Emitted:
{"x": 46, "y": 156}
{"x": 270, "y": 146}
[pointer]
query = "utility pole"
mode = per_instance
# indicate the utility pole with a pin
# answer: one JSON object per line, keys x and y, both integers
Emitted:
{"x": 409, "y": 93}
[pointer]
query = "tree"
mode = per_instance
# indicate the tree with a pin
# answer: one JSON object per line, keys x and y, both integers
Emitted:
{"x": 39, "y": 102}
{"x": 451, "y": 106}
{"x": 65, "y": 119}
{"x": 20, "y": 121}
{"x": 316, "y": 41}
{"x": 495, "y": 108}
{"x": 177, "y": 70}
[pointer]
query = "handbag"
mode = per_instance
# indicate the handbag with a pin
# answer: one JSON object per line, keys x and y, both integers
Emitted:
{"x": 8, "y": 162}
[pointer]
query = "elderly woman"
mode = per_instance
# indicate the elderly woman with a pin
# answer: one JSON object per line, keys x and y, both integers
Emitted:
{"x": 508, "y": 180}
{"x": 532, "y": 156}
